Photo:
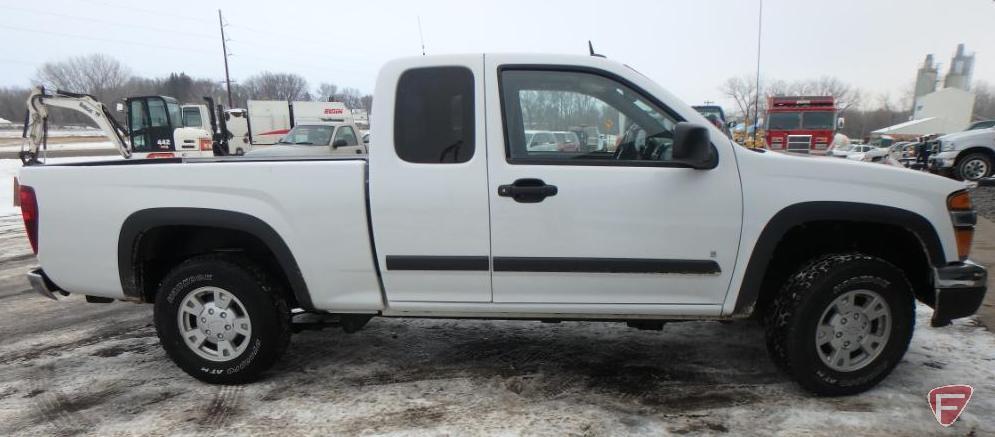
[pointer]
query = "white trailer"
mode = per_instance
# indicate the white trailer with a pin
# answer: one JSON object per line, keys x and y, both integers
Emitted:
{"x": 264, "y": 122}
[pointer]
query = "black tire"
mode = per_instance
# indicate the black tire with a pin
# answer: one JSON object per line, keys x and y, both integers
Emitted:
{"x": 960, "y": 170}
{"x": 792, "y": 320}
{"x": 262, "y": 300}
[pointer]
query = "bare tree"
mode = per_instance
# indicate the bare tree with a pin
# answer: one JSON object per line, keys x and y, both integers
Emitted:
{"x": 350, "y": 96}
{"x": 326, "y": 92}
{"x": 984, "y": 101}
{"x": 743, "y": 92}
{"x": 12, "y": 101}
{"x": 367, "y": 101}
{"x": 277, "y": 86}
{"x": 94, "y": 74}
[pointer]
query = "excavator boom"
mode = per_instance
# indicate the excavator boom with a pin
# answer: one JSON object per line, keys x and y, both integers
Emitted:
{"x": 36, "y": 128}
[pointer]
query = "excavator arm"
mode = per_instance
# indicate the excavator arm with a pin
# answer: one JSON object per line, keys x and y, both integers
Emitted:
{"x": 36, "y": 126}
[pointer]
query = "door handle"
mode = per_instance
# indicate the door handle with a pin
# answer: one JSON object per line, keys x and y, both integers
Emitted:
{"x": 527, "y": 190}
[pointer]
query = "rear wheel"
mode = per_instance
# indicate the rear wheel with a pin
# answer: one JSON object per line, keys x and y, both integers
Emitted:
{"x": 221, "y": 320}
{"x": 841, "y": 323}
{"x": 973, "y": 167}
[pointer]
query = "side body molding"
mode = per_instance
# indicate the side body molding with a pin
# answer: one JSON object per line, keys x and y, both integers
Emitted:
{"x": 809, "y": 212}
{"x": 142, "y": 221}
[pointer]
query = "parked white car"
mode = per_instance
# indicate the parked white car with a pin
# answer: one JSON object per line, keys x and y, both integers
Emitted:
{"x": 313, "y": 139}
{"x": 540, "y": 141}
{"x": 455, "y": 215}
{"x": 867, "y": 153}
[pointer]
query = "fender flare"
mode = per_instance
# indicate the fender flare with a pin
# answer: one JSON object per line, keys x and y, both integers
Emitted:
{"x": 808, "y": 212}
{"x": 144, "y": 220}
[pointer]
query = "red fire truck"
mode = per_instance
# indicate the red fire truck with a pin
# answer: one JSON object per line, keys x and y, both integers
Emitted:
{"x": 801, "y": 124}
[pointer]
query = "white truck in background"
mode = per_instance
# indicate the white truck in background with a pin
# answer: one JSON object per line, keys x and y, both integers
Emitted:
{"x": 453, "y": 216}
{"x": 265, "y": 122}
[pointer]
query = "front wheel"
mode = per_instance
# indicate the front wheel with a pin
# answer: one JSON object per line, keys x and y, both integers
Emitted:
{"x": 221, "y": 320}
{"x": 841, "y": 323}
{"x": 973, "y": 167}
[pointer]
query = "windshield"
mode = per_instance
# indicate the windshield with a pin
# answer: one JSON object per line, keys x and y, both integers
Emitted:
{"x": 817, "y": 120}
{"x": 309, "y": 136}
{"x": 191, "y": 117}
{"x": 783, "y": 120}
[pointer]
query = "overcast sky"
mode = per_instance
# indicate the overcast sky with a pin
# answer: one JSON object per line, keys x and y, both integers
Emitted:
{"x": 689, "y": 47}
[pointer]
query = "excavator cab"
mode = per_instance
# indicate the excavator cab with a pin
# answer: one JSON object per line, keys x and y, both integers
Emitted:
{"x": 151, "y": 122}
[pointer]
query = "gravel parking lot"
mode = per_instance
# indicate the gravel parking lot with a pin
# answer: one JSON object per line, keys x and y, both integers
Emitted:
{"x": 70, "y": 368}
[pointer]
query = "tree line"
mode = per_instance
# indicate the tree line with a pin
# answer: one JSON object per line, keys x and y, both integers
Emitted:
{"x": 110, "y": 81}
{"x": 864, "y": 113}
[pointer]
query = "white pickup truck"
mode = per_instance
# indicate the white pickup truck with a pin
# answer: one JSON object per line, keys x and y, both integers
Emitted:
{"x": 451, "y": 216}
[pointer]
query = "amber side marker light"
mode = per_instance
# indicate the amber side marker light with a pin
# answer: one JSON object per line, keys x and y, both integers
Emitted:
{"x": 963, "y": 217}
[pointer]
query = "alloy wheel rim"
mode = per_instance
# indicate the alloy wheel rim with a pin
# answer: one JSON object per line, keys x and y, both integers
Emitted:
{"x": 214, "y": 324}
{"x": 853, "y": 330}
{"x": 975, "y": 169}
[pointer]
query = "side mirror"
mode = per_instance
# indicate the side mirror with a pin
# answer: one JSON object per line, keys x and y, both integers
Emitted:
{"x": 119, "y": 107}
{"x": 692, "y": 146}
{"x": 366, "y": 139}
{"x": 840, "y": 122}
{"x": 339, "y": 143}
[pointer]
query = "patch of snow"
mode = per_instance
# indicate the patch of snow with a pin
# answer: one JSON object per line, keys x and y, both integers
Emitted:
{"x": 98, "y": 145}
{"x": 82, "y": 132}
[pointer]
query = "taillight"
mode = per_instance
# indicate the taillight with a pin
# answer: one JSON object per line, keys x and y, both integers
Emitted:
{"x": 206, "y": 144}
{"x": 964, "y": 218}
{"x": 29, "y": 212}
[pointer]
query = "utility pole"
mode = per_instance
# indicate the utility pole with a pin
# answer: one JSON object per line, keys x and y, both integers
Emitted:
{"x": 224, "y": 50}
{"x": 756, "y": 99}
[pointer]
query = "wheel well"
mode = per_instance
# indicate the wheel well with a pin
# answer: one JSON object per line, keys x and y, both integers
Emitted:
{"x": 892, "y": 243}
{"x": 977, "y": 149}
{"x": 160, "y": 249}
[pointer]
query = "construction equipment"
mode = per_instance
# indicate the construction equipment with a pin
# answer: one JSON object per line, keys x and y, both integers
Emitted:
{"x": 36, "y": 122}
{"x": 154, "y": 126}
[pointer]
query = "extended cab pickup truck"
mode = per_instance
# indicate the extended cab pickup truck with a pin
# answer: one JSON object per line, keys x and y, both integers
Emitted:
{"x": 452, "y": 216}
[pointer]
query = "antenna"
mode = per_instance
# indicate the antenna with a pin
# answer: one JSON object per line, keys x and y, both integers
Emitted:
{"x": 590, "y": 48}
{"x": 421, "y": 37}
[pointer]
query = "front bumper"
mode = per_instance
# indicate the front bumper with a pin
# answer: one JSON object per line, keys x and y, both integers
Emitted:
{"x": 943, "y": 160}
{"x": 42, "y": 285}
{"x": 960, "y": 288}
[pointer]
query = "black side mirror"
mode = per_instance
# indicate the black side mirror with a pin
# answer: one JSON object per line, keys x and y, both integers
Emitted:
{"x": 339, "y": 143}
{"x": 692, "y": 146}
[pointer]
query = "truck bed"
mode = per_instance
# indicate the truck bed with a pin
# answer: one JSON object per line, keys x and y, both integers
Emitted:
{"x": 314, "y": 204}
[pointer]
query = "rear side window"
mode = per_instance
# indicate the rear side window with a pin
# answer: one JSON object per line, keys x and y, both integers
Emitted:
{"x": 433, "y": 116}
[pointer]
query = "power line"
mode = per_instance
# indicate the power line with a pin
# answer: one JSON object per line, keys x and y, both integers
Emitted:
{"x": 112, "y": 23}
{"x": 96, "y": 38}
{"x": 157, "y": 13}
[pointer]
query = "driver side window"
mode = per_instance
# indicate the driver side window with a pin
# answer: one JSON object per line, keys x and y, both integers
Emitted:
{"x": 556, "y": 116}
{"x": 346, "y": 133}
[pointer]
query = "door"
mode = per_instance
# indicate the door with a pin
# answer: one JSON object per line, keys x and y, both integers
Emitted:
{"x": 138, "y": 126}
{"x": 428, "y": 182}
{"x": 161, "y": 119}
{"x": 345, "y": 142}
{"x": 625, "y": 224}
